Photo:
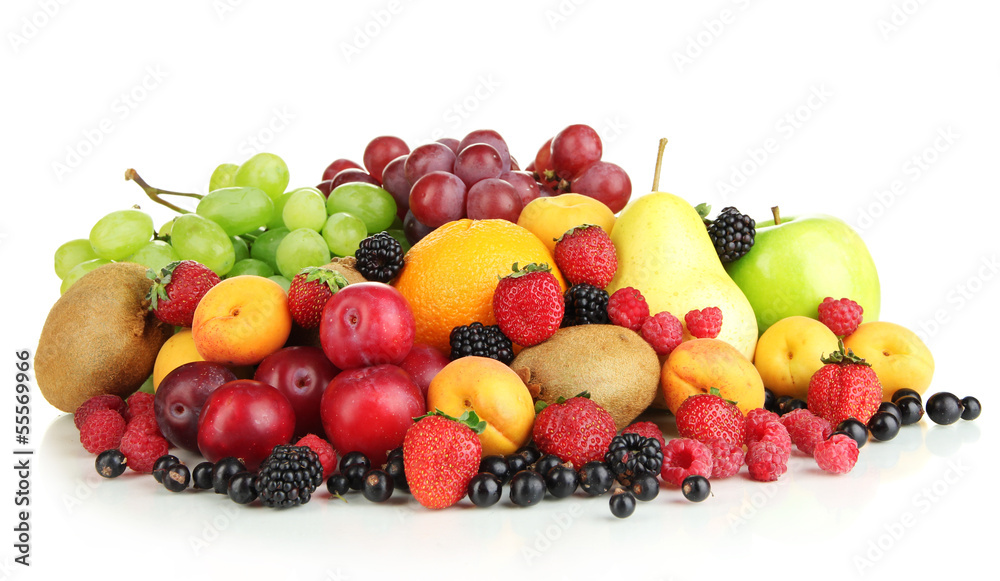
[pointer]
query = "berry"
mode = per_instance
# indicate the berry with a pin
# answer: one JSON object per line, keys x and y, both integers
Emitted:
{"x": 910, "y": 409}
{"x": 98, "y": 402}
{"x": 102, "y": 430}
{"x": 527, "y": 488}
{"x": 577, "y": 430}
{"x": 790, "y": 405}
{"x": 645, "y": 487}
{"x": 766, "y": 461}
{"x": 528, "y": 304}
{"x": 622, "y": 503}
{"x": 378, "y": 486}
{"x": 903, "y": 392}
{"x": 355, "y": 474}
{"x": 481, "y": 341}
{"x": 772, "y": 431}
{"x": 683, "y": 457}
{"x": 352, "y": 458}
{"x": 396, "y": 469}
{"x": 142, "y": 443}
{"x": 309, "y": 292}
{"x": 327, "y": 455}
{"x": 842, "y": 317}
{"x": 288, "y": 476}
{"x": 496, "y": 465}
{"x": 846, "y": 387}
{"x": 944, "y": 408}
{"x": 515, "y": 463}
{"x": 756, "y": 418}
{"x": 139, "y": 403}
{"x": 337, "y": 485}
{"x": 596, "y": 478}
{"x": 889, "y": 407}
{"x": 441, "y": 455}
{"x": 485, "y": 489}
{"x": 806, "y": 429}
{"x": 837, "y": 455}
{"x": 631, "y": 455}
{"x": 853, "y": 429}
{"x": 696, "y": 488}
{"x": 379, "y": 257}
{"x": 162, "y": 464}
{"x": 544, "y": 464}
{"x": 770, "y": 401}
{"x": 178, "y": 289}
{"x": 110, "y": 463}
{"x": 663, "y": 331}
{"x": 971, "y": 408}
{"x": 732, "y": 234}
{"x": 530, "y": 453}
{"x": 628, "y": 308}
{"x": 202, "y": 475}
{"x": 586, "y": 255}
{"x": 224, "y": 470}
{"x": 883, "y": 426}
{"x": 704, "y": 324}
{"x": 561, "y": 481}
{"x": 585, "y": 305}
{"x": 727, "y": 459}
{"x": 707, "y": 416}
{"x": 177, "y": 478}
{"x": 241, "y": 488}
{"x": 647, "y": 430}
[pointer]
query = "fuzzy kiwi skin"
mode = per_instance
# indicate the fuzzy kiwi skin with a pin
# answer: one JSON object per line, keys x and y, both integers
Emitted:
{"x": 99, "y": 338}
{"x": 617, "y": 366}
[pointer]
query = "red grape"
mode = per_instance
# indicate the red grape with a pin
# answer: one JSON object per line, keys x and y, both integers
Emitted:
{"x": 605, "y": 182}
{"x": 478, "y": 162}
{"x": 345, "y": 177}
{"x": 438, "y": 198}
{"x": 451, "y": 142}
{"x": 524, "y": 184}
{"x": 489, "y": 137}
{"x": 543, "y": 165}
{"x": 546, "y": 191}
{"x": 493, "y": 198}
{"x": 394, "y": 181}
{"x": 427, "y": 158}
{"x": 573, "y": 149}
{"x": 414, "y": 229}
{"x": 380, "y": 151}
{"x": 338, "y": 166}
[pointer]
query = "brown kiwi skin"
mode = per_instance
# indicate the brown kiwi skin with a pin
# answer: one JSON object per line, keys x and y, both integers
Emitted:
{"x": 99, "y": 338}
{"x": 617, "y": 366}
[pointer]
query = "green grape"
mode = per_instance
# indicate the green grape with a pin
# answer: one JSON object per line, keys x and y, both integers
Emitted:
{"x": 121, "y": 234}
{"x": 343, "y": 233}
{"x": 305, "y": 208}
{"x": 372, "y": 204}
{"x": 164, "y": 230}
{"x": 240, "y": 248}
{"x": 79, "y": 270}
{"x": 284, "y": 282}
{"x": 72, "y": 253}
{"x": 400, "y": 237}
{"x": 197, "y": 238}
{"x": 155, "y": 255}
{"x": 397, "y": 223}
{"x": 224, "y": 176}
{"x": 251, "y": 266}
{"x": 279, "y": 207}
{"x": 266, "y": 246}
{"x": 299, "y": 249}
{"x": 265, "y": 171}
{"x": 237, "y": 210}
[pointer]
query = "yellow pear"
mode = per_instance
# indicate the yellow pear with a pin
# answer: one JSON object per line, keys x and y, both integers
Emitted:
{"x": 665, "y": 252}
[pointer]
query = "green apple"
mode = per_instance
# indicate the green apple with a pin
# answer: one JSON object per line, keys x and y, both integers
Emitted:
{"x": 794, "y": 265}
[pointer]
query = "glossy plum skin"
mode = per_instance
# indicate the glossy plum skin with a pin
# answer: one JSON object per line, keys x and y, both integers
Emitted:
{"x": 244, "y": 419}
{"x": 301, "y": 374}
{"x": 365, "y": 324}
{"x": 181, "y": 396}
{"x": 423, "y": 362}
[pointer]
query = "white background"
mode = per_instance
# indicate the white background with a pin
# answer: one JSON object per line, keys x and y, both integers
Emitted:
{"x": 853, "y": 95}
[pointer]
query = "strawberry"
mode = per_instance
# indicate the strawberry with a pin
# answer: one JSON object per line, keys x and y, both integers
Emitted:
{"x": 707, "y": 416}
{"x": 586, "y": 254}
{"x": 846, "y": 387}
{"x": 528, "y": 304}
{"x": 309, "y": 291}
{"x": 178, "y": 289}
{"x": 441, "y": 454}
{"x": 577, "y": 430}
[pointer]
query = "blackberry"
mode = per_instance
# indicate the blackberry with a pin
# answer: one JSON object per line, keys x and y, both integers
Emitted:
{"x": 622, "y": 503}
{"x": 288, "y": 476}
{"x": 971, "y": 408}
{"x": 379, "y": 257}
{"x": 485, "y": 489}
{"x": 585, "y": 305}
{"x": 482, "y": 341}
{"x": 241, "y": 488}
{"x": 696, "y": 488}
{"x": 732, "y": 234}
{"x": 630, "y": 455}
{"x": 110, "y": 463}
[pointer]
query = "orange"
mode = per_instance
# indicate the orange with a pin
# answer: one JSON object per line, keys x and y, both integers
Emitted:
{"x": 449, "y": 276}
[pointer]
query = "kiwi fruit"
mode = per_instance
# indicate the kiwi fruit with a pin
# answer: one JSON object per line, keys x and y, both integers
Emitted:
{"x": 345, "y": 266}
{"x": 99, "y": 338}
{"x": 615, "y": 365}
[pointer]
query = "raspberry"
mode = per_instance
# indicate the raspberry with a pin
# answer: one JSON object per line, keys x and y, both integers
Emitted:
{"x": 774, "y": 433}
{"x": 806, "y": 429}
{"x": 766, "y": 461}
{"x": 139, "y": 403}
{"x": 102, "y": 430}
{"x": 628, "y": 308}
{"x": 726, "y": 458}
{"x": 842, "y": 317}
{"x": 142, "y": 445}
{"x": 683, "y": 457}
{"x": 98, "y": 402}
{"x": 663, "y": 331}
{"x": 704, "y": 324}
{"x": 646, "y": 430}
{"x": 755, "y": 418}
{"x": 836, "y": 455}
{"x": 327, "y": 455}
{"x": 145, "y": 424}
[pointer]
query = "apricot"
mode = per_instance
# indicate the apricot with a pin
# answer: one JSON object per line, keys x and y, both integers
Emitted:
{"x": 898, "y": 356}
{"x": 494, "y": 392}
{"x": 698, "y": 365}
{"x": 241, "y": 320}
{"x": 550, "y": 218}
{"x": 789, "y": 353}
{"x": 178, "y": 350}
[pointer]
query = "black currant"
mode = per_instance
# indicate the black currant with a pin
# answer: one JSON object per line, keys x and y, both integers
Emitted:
{"x": 561, "y": 481}
{"x": 972, "y": 408}
{"x": 355, "y": 474}
{"x": 527, "y": 488}
{"x": 224, "y": 470}
{"x": 903, "y": 393}
{"x": 791, "y": 405}
{"x": 883, "y": 426}
{"x": 378, "y": 486}
{"x": 241, "y": 487}
{"x": 910, "y": 409}
{"x": 397, "y": 470}
{"x": 515, "y": 463}
{"x": 201, "y": 476}
{"x": 496, "y": 465}
{"x": 162, "y": 464}
{"x": 770, "y": 401}
{"x": 546, "y": 463}
{"x": 485, "y": 489}
{"x": 596, "y": 478}
{"x": 853, "y": 428}
{"x": 337, "y": 484}
{"x": 645, "y": 487}
{"x": 177, "y": 478}
{"x": 944, "y": 408}
{"x": 530, "y": 453}
{"x": 696, "y": 488}
{"x": 888, "y": 406}
{"x": 394, "y": 453}
{"x": 622, "y": 503}
{"x": 352, "y": 458}
{"x": 110, "y": 463}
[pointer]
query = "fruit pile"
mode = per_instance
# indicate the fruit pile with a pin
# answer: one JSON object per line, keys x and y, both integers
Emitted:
{"x": 292, "y": 338}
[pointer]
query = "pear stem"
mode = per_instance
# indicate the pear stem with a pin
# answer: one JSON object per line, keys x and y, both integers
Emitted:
{"x": 659, "y": 163}
{"x": 155, "y": 193}
{"x": 777, "y": 215}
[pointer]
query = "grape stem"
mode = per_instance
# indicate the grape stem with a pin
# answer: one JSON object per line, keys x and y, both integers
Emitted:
{"x": 155, "y": 193}
{"x": 659, "y": 162}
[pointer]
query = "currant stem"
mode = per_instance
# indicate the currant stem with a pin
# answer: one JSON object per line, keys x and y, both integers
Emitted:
{"x": 659, "y": 163}
{"x": 155, "y": 193}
